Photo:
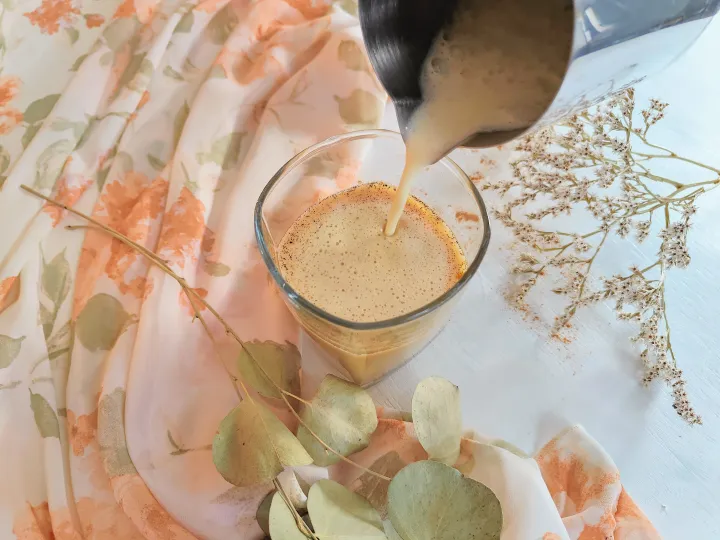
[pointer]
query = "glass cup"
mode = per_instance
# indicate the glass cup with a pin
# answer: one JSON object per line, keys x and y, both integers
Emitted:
{"x": 368, "y": 351}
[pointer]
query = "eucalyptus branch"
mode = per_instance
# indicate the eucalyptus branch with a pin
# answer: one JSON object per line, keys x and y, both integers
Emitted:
{"x": 193, "y": 296}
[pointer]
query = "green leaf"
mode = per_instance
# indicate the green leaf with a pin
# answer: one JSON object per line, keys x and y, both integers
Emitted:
{"x": 185, "y": 24}
{"x": 216, "y": 269}
{"x": 101, "y": 177}
{"x": 350, "y": 6}
{"x": 343, "y": 415}
{"x": 281, "y": 521}
{"x": 101, "y": 322}
{"x": 170, "y": 72}
{"x": 45, "y": 417}
{"x": 225, "y": 151}
{"x": 50, "y": 163}
{"x": 29, "y": 134}
{"x": 252, "y": 446}
{"x": 390, "y": 531}
{"x": 338, "y": 513}
{"x": 82, "y": 132}
{"x": 60, "y": 341}
{"x": 280, "y": 362}
{"x": 39, "y": 109}
{"x": 118, "y": 32}
{"x": 180, "y": 119}
{"x": 156, "y": 163}
{"x": 9, "y": 349}
{"x": 217, "y": 72}
{"x": 138, "y": 65}
{"x": 78, "y": 62}
{"x": 322, "y": 166}
{"x": 350, "y": 54}
{"x": 126, "y": 161}
{"x": 4, "y": 159}
{"x": 262, "y": 516}
{"x": 111, "y": 434}
{"x": 428, "y": 500}
{"x": 360, "y": 108}
{"x": 73, "y": 34}
{"x": 221, "y": 25}
{"x": 55, "y": 284}
{"x": 375, "y": 489}
{"x": 55, "y": 279}
{"x": 140, "y": 79}
{"x": 107, "y": 58}
{"x": 437, "y": 419}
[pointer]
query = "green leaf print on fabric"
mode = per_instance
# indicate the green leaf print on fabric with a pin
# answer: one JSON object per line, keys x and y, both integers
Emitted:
{"x": 101, "y": 322}
{"x": 120, "y": 31}
{"x": 280, "y": 362}
{"x": 4, "y": 159}
{"x": 225, "y": 151}
{"x": 45, "y": 417}
{"x": 170, "y": 72}
{"x": 9, "y": 349}
{"x": 39, "y": 109}
{"x": 360, "y": 108}
{"x": 180, "y": 119}
{"x": 78, "y": 62}
{"x": 185, "y": 24}
{"x": 29, "y": 134}
{"x": 350, "y": 54}
{"x": 156, "y": 163}
{"x": 221, "y": 25}
{"x": 73, "y": 34}
{"x": 216, "y": 269}
{"x": 51, "y": 162}
{"x": 111, "y": 434}
{"x": 55, "y": 283}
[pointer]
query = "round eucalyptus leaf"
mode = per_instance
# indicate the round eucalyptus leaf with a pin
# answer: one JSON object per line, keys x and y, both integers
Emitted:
{"x": 282, "y": 521}
{"x": 343, "y": 415}
{"x": 339, "y": 514}
{"x": 437, "y": 419}
{"x": 252, "y": 446}
{"x": 428, "y": 500}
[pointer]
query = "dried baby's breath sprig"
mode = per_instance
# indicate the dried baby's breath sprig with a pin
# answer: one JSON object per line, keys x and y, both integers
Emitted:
{"x": 600, "y": 161}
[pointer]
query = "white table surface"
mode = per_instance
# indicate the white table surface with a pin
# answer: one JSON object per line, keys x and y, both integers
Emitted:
{"x": 518, "y": 384}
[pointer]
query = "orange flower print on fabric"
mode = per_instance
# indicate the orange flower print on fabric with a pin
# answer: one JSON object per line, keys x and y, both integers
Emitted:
{"x": 131, "y": 206}
{"x": 83, "y": 430}
{"x": 98, "y": 520}
{"x": 93, "y": 20}
{"x": 126, "y": 9}
{"x": 183, "y": 230}
{"x": 9, "y": 292}
{"x": 33, "y": 523}
{"x": 9, "y": 116}
{"x": 551, "y": 536}
{"x": 210, "y": 6}
{"x": 244, "y": 69}
{"x": 310, "y": 9}
{"x": 185, "y": 302}
{"x": 573, "y": 482}
{"x": 51, "y": 14}
{"x": 632, "y": 524}
{"x": 144, "y": 10}
{"x": 68, "y": 192}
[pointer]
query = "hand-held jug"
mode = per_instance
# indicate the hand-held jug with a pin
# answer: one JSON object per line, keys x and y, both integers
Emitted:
{"x": 611, "y": 45}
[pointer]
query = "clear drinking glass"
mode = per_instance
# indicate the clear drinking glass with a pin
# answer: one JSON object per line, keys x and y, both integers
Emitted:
{"x": 368, "y": 351}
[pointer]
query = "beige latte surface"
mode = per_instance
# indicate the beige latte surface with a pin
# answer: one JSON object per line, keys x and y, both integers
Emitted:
{"x": 336, "y": 255}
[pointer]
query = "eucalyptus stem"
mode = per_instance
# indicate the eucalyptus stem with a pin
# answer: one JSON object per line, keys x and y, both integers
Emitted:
{"x": 193, "y": 296}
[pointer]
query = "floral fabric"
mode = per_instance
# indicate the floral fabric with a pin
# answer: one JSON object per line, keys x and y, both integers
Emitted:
{"x": 163, "y": 120}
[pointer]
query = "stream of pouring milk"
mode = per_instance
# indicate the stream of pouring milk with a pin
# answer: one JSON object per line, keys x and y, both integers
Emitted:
{"x": 497, "y": 66}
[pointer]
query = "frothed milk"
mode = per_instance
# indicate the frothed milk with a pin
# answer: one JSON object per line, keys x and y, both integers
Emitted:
{"x": 497, "y": 66}
{"x": 337, "y": 256}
